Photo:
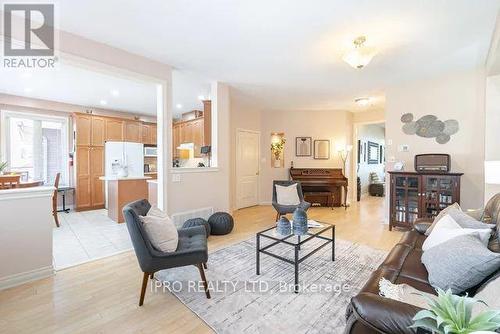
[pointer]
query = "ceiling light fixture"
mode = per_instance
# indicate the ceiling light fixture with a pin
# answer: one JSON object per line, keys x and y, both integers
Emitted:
{"x": 201, "y": 97}
{"x": 115, "y": 92}
{"x": 178, "y": 105}
{"x": 362, "y": 101}
{"x": 28, "y": 90}
{"x": 103, "y": 102}
{"x": 360, "y": 55}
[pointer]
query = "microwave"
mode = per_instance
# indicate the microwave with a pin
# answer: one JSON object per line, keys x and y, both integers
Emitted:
{"x": 150, "y": 151}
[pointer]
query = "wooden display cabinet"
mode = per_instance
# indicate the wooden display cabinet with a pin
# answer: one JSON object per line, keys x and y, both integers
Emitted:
{"x": 420, "y": 195}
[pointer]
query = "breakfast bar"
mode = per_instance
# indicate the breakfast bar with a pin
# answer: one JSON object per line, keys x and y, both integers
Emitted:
{"x": 123, "y": 190}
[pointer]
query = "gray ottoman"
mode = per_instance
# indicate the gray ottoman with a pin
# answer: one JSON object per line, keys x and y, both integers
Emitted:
{"x": 221, "y": 223}
{"x": 197, "y": 222}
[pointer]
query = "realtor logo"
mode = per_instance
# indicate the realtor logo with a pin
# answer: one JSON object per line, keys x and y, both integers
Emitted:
{"x": 29, "y": 36}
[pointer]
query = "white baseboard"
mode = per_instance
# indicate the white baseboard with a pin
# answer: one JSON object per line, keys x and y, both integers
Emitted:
{"x": 28, "y": 276}
{"x": 265, "y": 203}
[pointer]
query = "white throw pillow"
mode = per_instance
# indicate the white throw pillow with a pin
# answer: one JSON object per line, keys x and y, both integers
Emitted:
{"x": 161, "y": 230}
{"x": 447, "y": 228}
{"x": 154, "y": 211}
{"x": 287, "y": 195}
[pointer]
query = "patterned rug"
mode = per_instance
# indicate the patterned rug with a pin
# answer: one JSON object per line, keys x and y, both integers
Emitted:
{"x": 243, "y": 302}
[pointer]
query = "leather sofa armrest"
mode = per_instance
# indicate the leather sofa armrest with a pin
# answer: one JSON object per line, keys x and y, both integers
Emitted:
{"x": 383, "y": 314}
{"x": 421, "y": 225}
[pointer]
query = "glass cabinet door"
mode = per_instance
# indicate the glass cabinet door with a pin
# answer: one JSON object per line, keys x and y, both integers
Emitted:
{"x": 406, "y": 199}
{"x": 437, "y": 194}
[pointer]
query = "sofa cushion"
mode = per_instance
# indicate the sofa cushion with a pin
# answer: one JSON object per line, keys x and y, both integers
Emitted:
{"x": 447, "y": 228}
{"x": 459, "y": 263}
{"x": 440, "y": 215}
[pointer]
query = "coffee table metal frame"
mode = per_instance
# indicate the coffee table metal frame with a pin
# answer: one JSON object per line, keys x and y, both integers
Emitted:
{"x": 297, "y": 259}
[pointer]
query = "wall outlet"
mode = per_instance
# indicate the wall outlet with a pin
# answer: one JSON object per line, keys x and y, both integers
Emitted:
{"x": 176, "y": 177}
{"x": 404, "y": 148}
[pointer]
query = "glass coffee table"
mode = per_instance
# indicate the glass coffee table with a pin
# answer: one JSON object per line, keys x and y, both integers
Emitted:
{"x": 295, "y": 241}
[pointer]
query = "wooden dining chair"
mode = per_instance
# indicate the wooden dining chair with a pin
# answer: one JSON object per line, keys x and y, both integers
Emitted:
{"x": 54, "y": 199}
{"x": 9, "y": 181}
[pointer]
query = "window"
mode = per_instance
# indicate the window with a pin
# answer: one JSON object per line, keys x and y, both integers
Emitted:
{"x": 36, "y": 146}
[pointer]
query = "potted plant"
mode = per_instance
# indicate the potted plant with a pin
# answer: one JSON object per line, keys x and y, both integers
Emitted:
{"x": 277, "y": 148}
{"x": 449, "y": 313}
{"x": 3, "y": 165}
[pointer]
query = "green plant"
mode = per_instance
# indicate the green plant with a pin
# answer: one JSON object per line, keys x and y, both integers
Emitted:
{"x": 3, "y": 165}
{"x": 278, "y": 147}
{"x": 449, "y": 313}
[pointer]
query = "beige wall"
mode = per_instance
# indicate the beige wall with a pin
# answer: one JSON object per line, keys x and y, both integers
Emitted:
{"x": 210, "y": 188}
{"x": 459, "y": 96}
{"x": 492, "y": 124}
{"x": 245, "y": 114}
{"x": 333, "y": 125}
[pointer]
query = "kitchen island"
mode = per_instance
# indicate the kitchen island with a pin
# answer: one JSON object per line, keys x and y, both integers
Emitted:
{"x": 123, "y": 190}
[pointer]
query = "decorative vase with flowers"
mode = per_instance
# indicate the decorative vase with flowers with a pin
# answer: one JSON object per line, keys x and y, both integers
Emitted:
{"x": 277, "y": 147}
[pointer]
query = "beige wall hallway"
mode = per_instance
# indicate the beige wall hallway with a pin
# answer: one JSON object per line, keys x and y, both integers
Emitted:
{"x": 102, "y": 296}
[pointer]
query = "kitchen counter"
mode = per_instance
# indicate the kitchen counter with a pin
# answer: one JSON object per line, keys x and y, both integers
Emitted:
{"x": 124, "y": 190}
{"x": 115, "y": 178}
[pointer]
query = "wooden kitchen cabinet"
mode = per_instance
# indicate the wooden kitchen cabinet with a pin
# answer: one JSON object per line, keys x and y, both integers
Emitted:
{"x": 83, "y": 179}
{"x": 175, "y": 140}
{"x": 114, "y": 129}
{"x": 197, "y": 135}
{"x": 83, "y": 129}
{"x": 96, "y": 171}
{"x": 98, "y": 130}
{"x": 146, "y": 133}
{"x": 133, "y": 131}
{"x": 154, "y": 134}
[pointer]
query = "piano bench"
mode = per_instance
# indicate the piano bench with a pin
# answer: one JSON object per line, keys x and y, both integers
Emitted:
{"x": 323, "y": 198}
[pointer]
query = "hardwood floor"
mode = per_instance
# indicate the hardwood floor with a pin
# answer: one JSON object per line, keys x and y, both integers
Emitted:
{"x": 102, "y": 296}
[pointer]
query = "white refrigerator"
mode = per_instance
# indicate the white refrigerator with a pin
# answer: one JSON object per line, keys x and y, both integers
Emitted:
{"x": 120, "y": 155}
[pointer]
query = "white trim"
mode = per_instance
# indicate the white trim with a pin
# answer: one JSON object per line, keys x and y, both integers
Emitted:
{"x": 182, "y": 170}
{"x": 28, "y": 276}
{"x": 31, "y": 192}
{"x": 266, "y": 203}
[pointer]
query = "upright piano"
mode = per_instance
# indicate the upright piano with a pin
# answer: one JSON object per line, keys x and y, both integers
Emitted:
{"x": 322, "y": 185}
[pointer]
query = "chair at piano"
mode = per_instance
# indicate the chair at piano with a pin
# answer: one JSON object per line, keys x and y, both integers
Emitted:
{"x": 284, "y": 209}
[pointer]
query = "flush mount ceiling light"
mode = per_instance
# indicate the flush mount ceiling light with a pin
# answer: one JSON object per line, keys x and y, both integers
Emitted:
{"x": 362, "y": 101}
{"x": 178, "y": 105}
{"x": 103, "y": 102}
{"x": 115, "y": 92}
{"x": 360, "y": 55}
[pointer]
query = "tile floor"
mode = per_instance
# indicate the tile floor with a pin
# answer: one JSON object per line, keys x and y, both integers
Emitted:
{"x": 87, "y": 235}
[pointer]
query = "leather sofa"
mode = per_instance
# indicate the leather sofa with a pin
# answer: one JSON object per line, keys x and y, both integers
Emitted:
{"x": 369, "y": 312}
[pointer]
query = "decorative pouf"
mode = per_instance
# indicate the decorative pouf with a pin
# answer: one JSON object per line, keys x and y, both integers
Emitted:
{"x": 197, "y": 222}
{"x": 221, "y": 223}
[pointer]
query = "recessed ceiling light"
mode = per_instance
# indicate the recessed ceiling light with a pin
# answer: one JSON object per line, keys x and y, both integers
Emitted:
{"x": 28, "y": 90}
{"x": 103, "y": 102}
{"x": 201, "y": 97}
{"x": 178, "y": 105}
{"x": 26, "y": 74}
{"x": 115, "y": 92}
{"x": 362, "y": 101}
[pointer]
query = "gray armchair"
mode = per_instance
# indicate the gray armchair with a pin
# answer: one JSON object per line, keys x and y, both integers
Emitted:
{"x": 284, "y": 209}
{"x": 191, "y": 250}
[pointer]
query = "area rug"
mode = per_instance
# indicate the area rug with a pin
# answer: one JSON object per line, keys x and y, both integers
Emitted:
{"x": 243, "y": 302}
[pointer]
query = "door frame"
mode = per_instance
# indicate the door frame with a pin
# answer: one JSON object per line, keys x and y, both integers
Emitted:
{"x": 238, "y": 164}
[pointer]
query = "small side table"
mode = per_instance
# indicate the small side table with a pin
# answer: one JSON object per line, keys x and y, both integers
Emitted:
{"x": 63, "y": 191}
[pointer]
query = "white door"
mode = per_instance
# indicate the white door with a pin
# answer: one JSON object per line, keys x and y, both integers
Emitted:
{"x": 247, "y": 168}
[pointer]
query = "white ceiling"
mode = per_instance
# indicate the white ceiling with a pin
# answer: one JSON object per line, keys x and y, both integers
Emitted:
{"x": 80, "y": 86}
{"x": 188, "y": 89}
{"x": 287, "y": 54}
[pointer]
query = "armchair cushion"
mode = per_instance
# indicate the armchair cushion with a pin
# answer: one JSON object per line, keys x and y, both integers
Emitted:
{"x": 161, "y": 232}
{"x": 287, "y": 195}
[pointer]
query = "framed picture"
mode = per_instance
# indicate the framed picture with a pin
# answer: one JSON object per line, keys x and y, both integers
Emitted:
{"x": 360, "y": 151}
{"x": 382, "y": 156}
{"x": 303, "y": 146}
{"x": 365, "y": 152}
{"x": 322, "y": 149}
{"x": 373, "y": 153}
